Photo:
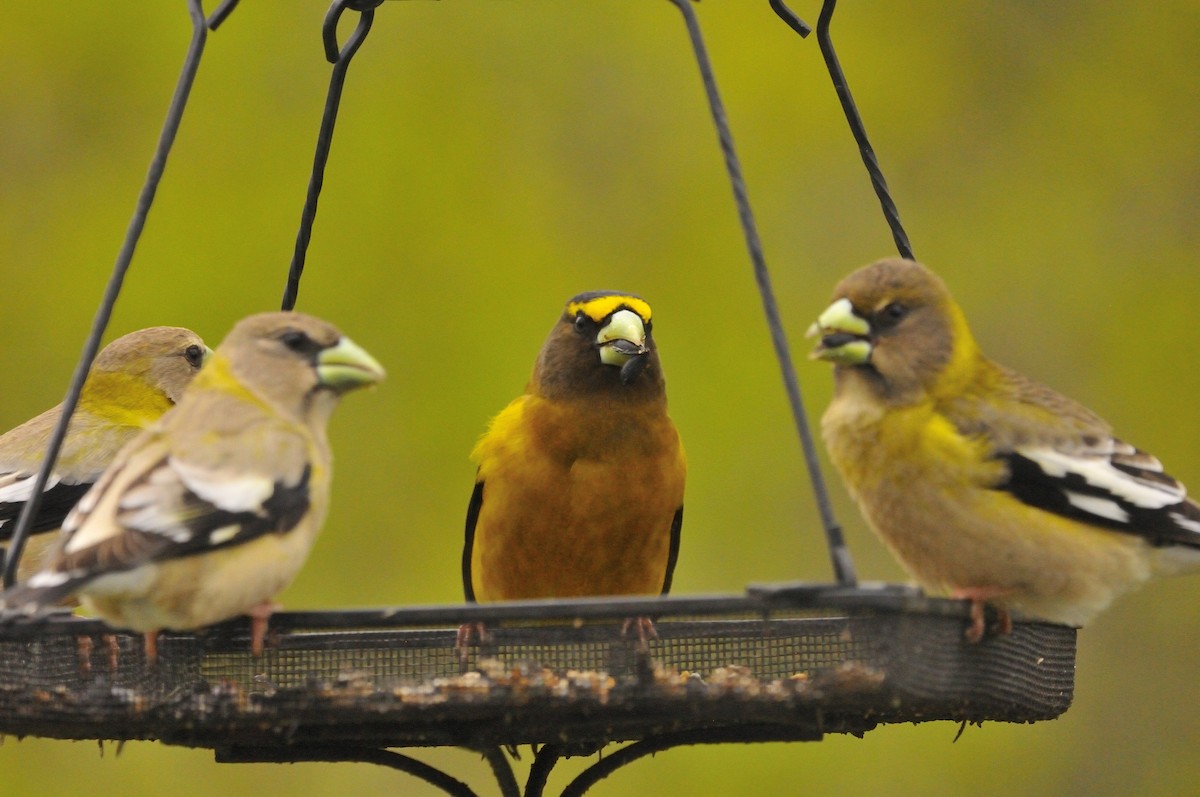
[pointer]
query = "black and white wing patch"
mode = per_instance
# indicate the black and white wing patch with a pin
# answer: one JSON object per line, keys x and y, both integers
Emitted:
{"x": 172, "y": 510}
{"x": 57, "y": 500}
{"x": 1113, "y": 485}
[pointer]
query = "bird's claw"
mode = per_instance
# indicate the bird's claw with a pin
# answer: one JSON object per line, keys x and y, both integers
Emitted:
{"x": 469, "y": 634}
{"x": 978, "y": 628}
{"x": 643, "y": 629}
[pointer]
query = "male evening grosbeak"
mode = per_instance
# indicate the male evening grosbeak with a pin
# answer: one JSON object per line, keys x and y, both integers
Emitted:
{"x": 212, "y": 511}
{"x": 983, "y": 482}
{"x": 579, "y": 490}
{"x": 131, "y": 383}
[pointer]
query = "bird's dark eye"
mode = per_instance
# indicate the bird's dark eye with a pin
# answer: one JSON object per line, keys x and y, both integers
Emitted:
{"x": 194, "y": 355}
{"x": 581, "y": 322}
{"x": 892, "y": 313}
{"x": 298, "y": 342}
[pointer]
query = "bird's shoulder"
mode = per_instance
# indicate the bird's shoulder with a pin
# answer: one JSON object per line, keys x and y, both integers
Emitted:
{"x": 218, "y": 429}
{"x": 1008, "y": 409}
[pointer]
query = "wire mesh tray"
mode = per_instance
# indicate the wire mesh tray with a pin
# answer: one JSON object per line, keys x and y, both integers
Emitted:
{"x": 370, "y": 679}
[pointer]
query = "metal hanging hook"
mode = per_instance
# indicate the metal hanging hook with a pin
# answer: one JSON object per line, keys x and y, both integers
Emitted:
{"x": 340, "y": 58}
{"x": 223, "y": 11}
{"x": 789, "y": 16}
{"x": 366, "y": 9}
{"x": 857, "y": 128}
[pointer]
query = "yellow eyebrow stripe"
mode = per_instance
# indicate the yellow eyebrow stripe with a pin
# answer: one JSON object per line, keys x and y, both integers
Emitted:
{"x": 603, "y": 306}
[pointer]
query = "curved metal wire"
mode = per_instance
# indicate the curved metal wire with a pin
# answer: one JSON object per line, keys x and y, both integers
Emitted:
{"x": 336, "y": 754}
{"x": 502, "y": 771}
{"x": 547, "y": 756}
{"x": 657, "y": 744}
{"x": 857, "y": 128}
{"x": 789, "y": 16}
{"x": 843, "y": 565}
{"x": 340, "y": 58}
{"x": 226, "y": 8}
{"x": 133, "y": 233}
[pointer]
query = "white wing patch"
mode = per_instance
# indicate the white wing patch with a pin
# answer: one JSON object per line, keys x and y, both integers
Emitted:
{"x": 167, "y": 501}
{"x": 48, "y": 579}
{"x": 232, "y": 492}
{"x": 1098, "y": 472}
{"x": 1185, "y": 522}
{"x": 1101, "y": 507}
{"x": 224, "y": 534}
{"x": 16, "y": 488}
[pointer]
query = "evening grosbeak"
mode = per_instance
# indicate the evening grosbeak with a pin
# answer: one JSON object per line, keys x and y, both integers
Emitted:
{"x": 131, "y": 383}
{"x": 579, "y": 490}
{"x": 212, "y": 511}
{"x": 983, "y": 482}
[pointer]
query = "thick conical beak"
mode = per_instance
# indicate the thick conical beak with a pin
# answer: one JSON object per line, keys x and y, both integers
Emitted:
{"x": 347, "y": 366}
{"x": 623, "y": 337}
{"x": 845, "y": 335}
{"x": 622, "y": 343}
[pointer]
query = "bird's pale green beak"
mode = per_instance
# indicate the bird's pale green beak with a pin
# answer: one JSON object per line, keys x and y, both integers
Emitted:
{"x": 622, "y": 342}
{"x": 347, "y": 366}
{"x": 845, "y": 335}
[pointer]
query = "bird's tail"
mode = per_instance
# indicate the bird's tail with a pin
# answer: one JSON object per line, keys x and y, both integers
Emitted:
{"x": 1182, "y": 553}
{"x": 40, "y": 593}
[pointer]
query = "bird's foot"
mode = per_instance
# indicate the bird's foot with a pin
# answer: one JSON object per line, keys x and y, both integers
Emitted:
{"x": 259, "y": 617}
{"x": 149, "y": 645}
{"x": 83, "y": 649}
{"x": 642, "y": 628}
{"x": 979, "y": 598}
{"x": 469, "y": 634}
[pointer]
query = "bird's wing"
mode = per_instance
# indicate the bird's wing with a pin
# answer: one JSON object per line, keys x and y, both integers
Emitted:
{"x": 469, "y": 543}
{"x": 166, "y": 508}
{"x": 1108, "y": 483}
{"x": 673, "y": 555}
{"x": 57, "y": 499}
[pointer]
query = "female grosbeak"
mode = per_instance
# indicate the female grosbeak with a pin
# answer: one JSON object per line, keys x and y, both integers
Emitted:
{"x": 983, "y": 482}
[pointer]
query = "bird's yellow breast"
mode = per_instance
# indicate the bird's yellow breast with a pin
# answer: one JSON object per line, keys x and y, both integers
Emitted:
{"x": 872, "y": 444}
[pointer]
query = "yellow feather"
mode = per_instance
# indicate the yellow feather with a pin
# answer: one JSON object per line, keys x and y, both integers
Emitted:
{"x": 600, "y": 308}
{"x": 123, "y": 398}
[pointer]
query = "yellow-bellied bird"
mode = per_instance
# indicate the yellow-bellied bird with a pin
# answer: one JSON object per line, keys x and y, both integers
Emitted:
{"x": 131, "y": 383}
{"x": 212, "y": 511}
{"x": 579, "y": 490}
{"x": 983, "y": 482}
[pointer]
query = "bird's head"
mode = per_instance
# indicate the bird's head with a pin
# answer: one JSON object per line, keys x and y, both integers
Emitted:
{"x": 895, "y": 324}
{"x": 138, "y": 376}
{"x": 602, "y": 341}
{"x": 290, "y": 359}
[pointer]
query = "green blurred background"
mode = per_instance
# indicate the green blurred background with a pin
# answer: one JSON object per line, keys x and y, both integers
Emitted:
{"x": 494, "y": 158}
